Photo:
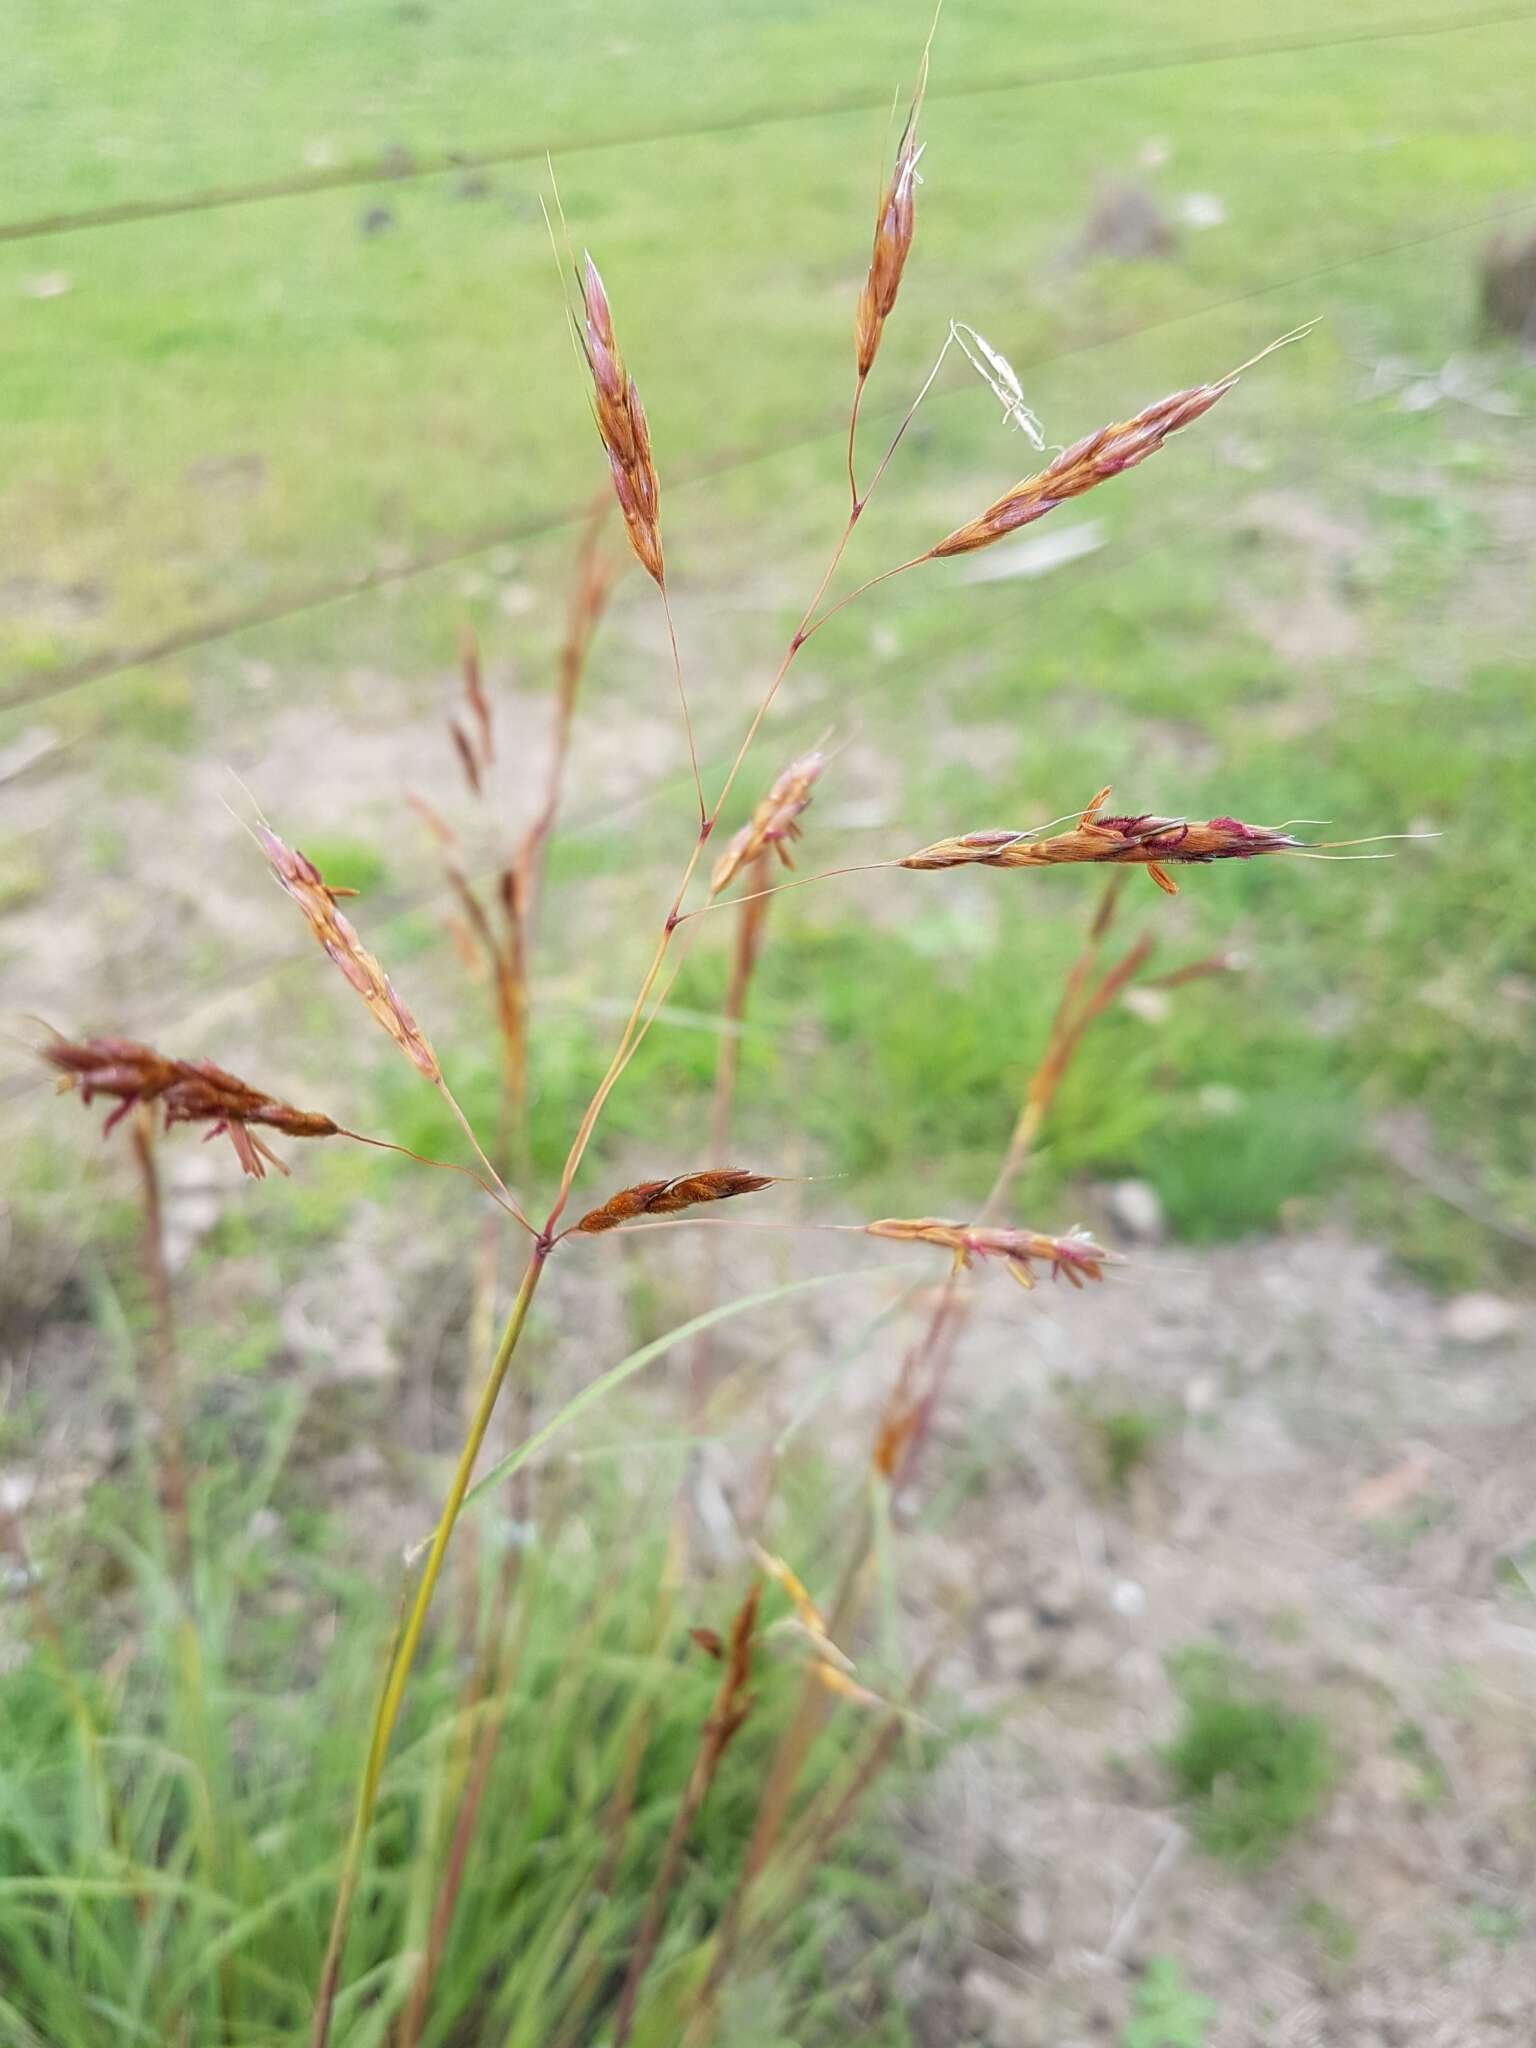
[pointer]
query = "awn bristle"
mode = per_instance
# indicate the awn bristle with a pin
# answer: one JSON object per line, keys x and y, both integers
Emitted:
{"x": 306, "y": 885}
{"x": 772, "y": 824}
{"x": 189, "y": 1091}
{"x": 1076, "y": 1255}
{"x": 621, "y": 423}
{"x": 1146, "y": 841}
{"x": 665, "y": 1197}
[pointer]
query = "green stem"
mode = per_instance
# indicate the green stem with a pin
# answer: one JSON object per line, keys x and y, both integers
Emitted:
{"x": 387, "y": 1711}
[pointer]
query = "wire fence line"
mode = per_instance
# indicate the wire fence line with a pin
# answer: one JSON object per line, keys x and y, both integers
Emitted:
{"x": 40, "y": 686}
{"x": 389, "y": 910}
{"x": 402, "y": 166}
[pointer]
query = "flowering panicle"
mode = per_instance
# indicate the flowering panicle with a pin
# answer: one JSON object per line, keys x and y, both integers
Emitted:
{"x": 772, "y": 824}
{"x": 307, "y": 886}
{"x": 1076, "y": 1256}
{"x": 189, "y": 1091}
{"x": 1146, "y": 841}
{"x": 665, "y": 1197}
{"x": 621, "y": 423}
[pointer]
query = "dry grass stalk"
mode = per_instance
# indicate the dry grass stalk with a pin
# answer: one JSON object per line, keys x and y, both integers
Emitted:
{"x": 189, "y": 1091}
{"x": 774, "y": 822}
{"x": 1075, "y": 1256}
{"x": 1144, "y": 841}
{"x": 666, "y": 1197}
{"x": 621, "y": 423}
{"x": 308, "y": 888}
{"x": 732, "y": 1703}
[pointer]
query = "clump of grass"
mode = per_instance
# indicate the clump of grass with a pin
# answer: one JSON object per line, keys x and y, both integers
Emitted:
{"x": 477, "y": 1833}
{"x": 1168, "y": 2013}
{"x": 1125, "y": 1442}
{"x": 1252, "y": 1770}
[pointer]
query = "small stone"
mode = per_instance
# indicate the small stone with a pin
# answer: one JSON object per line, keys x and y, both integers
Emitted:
{"x": 1128, "y": 1598}
{"x": 1001, "y": 2014}
{"x": 1013, "y": 1641}
{"x": 1479, "y": 1319}
{"x": 1137, "y": 1209}
{"x": 1148, "y": 1005}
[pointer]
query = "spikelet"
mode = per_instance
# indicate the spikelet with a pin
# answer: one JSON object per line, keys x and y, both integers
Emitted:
{"x": 1075, "y": 1256}
{"x": 189, "y": 1091}
{"x": 665, "y": 1197}
{"x": 1146, "y": 841}
{"x": 894, "y": 222}
{"x": 772, "y": 824}
{"x": 1115, "y": 448}
{"x": 305, "y": 884}
{"x": 621, "y": 423}
{"x": 1091, "y": 461}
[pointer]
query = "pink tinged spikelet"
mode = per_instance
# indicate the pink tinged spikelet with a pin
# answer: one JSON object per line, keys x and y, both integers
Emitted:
{"x": 1144, "y": 841}
{"x": 894, "y": 224}
{"x": 1091, "y": 461}
{"x": 773, "y": 824}
{"x": 189, "y": 1091}
{"x": 1075, "y": 1257}
{"x": 621, "y": 423}
{"x": 303, "y": 881}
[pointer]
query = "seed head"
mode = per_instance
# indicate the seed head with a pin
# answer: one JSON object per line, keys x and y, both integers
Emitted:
{"x": 1091, "y": 461}
{"x": 621, "y": 423}
{"x": 664, "y": 1197}
{"x": 894, "y": 222}
{"x": 1094, "y": 460}
{"x": 772, "y": 824}
{"x": 190, "y": 1091}
{"x": 306, "y": 885}
{"x": 1145, "y": 841}
{"x": 1076, "y": 1255}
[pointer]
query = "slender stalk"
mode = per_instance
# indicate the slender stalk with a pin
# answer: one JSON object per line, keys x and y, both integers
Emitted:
{"x": 164, "y": 1390}
{"x": 682, "y": 698}
{"x": 727, "y": 1712}
{"x": 387, "y": 1710}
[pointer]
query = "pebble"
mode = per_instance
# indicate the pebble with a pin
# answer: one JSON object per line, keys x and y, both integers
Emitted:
{"x": 1479, "y": 1319}
{"x": 1137, "y": 1209}
{"x": 999, "y": 2011}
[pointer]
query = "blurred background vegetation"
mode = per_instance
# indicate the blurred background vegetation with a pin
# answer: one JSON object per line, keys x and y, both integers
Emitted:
{"x": 290, "y": 402}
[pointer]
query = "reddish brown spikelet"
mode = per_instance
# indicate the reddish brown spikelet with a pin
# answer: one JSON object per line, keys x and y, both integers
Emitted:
{"x": 189, "y": 1091}
{"x": 306, "y": 885}
{"x": 773, "y": 824}
{"x": 621, "y": 423}
{"x": 1094, "y": 460}
{"x": 479, "y": 704}
{"x": 894, "y": 223}
{"x": 665, "y": 1197}
{"x": 1144, "y": 841}
{"x": 1075, "y": 1256}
